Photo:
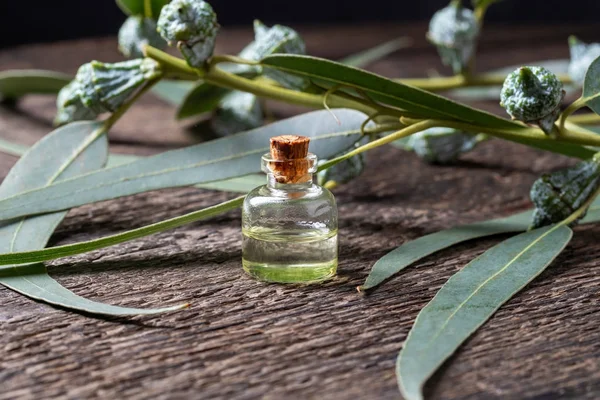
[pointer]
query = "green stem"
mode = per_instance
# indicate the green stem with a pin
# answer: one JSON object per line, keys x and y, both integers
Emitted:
{"x": 407, "y": 131}
{"x": 583, "y": 138}
{"x": 574, "y": 106}
{"x": 225, "y": 79}
{"x": 148, "y": 8}
{"x": 585, "y": 119}
{"x": 459, "y": 81}
{"x": 173, "y": 67}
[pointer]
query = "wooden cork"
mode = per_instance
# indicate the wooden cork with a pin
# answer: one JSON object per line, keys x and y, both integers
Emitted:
{"x": 290, "y": 152}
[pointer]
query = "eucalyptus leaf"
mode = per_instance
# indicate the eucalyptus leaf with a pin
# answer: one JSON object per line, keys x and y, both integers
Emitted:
{"x": 173, "y": 92}
{"x": 369, "y": 56}
{"x": 242, "y": 184}
{"x": 591, "y": 87}
{"x": 469, "y": 298}
{"x": 413, "y": 251}
{"x": 229, "y": 157}
{"x": 136, "y": 7}
{"x": 64, "y": 153}
{"x": 52, "y": 253}
{"x": 385, "y": 90}
{"x": 19, "y": 82}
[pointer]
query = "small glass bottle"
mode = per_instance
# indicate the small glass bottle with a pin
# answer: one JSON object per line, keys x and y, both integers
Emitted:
{"x": 289, "y": 225}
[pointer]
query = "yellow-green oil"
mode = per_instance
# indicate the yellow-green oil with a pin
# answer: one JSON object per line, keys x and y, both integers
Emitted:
{"x": 288, "y": 256}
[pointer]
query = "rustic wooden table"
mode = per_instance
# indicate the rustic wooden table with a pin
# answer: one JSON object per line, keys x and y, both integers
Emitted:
{"x": 244, "y": 339}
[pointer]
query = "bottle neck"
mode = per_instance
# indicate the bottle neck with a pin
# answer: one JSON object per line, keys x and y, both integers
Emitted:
{"x": 272, "y": 183}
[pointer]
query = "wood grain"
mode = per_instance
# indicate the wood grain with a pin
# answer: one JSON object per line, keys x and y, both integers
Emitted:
{"x": 245, "y": 340}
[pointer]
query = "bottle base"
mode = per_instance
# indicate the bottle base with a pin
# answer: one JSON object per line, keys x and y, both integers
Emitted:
{"x": 285, "y": 273}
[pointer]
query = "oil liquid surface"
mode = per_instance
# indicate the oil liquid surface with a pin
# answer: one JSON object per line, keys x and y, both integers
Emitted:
{"x": 302, "y": 255}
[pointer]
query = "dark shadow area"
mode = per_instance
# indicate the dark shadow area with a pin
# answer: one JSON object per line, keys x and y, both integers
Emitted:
{"x": 44, "y": 21}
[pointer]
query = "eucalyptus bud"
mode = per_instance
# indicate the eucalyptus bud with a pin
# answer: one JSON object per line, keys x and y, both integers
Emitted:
{"x": 137, "y": 32}
{"x": 345, "y": 171}
{"x": 277, "y": 39}
{"x": 237, "y": 112}
{"x": 441, "y": 145}
{"x": 75, "y": 111}
{"x": 454, "y": 30}
{"x": 533, "y": 95}
{"x": 582, "y": 55}
{"x": 104, "y": 87}
{"x": 558, "y": 195}
{"x": 192, "y": 25}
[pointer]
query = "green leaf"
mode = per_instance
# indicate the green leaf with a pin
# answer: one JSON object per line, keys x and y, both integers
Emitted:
{"x": 413, "y": 251}
{"x": 242, "y": 184}
{"x": 591, "y": 87}
{"x": 173, "y": 92}
{"x": 19, "y": 82}
{"x": 52, "y": 253}
{"x": 385, "y": 90}
{"x": 369, "y": 56}
{"x": 202, "y": 98}
{"x": 68, "y": 151}
{"x": 229, "y": 157}
{"x": 136, "y": 7}
{"x": 469, "y": 298}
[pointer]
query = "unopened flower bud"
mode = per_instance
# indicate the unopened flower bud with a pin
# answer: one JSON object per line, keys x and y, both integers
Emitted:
{"x": 75, "y": 111}
{"x": 558, "y": 195}
{"x": 237, "y": 112}
{"x": 454, "y": 30}
{"x": 533, "y": 95}
{"x": 104, "y": 87}
{"x": 441, "y": 145}
{"x": 192, "y": 25}
{"x": 137, "y": 32}
{"x": 582, "y": 55}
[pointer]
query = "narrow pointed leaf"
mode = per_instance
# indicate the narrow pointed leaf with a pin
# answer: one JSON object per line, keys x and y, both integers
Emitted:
{"x": 52, "y": 253}
{"x": 173, "y": 92}
{"x": 229, "y": 157}
{"x": 19, "y": 82}
{"x": 242, "y": 184}
{"x": 412, "y": 251}
{"x": 64, "y": 153}
{"x": 469, "y": 298}
{"x": 384, "y": 90}
{"x": 369, "y": 56}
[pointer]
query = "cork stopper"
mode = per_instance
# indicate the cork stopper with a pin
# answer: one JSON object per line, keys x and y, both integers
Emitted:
{"x": 289, "y": 158}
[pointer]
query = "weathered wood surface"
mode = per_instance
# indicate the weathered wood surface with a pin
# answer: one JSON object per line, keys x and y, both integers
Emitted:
{"x": 244, "y": 339}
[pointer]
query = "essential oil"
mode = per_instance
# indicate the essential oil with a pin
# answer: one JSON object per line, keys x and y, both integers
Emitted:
{"x": 289, "y": 225}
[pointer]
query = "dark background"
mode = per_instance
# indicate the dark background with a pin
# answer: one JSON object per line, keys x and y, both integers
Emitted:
{"x": 44, "y": 20}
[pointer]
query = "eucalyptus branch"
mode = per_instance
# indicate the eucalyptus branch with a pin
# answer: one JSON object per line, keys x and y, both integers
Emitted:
{"x": 173, "y": 67}
{"x": 574, "y": 106}
{"x": 584, "y": 119}
{"x": 532, "y": 137}
{"x": 460, "y": 81}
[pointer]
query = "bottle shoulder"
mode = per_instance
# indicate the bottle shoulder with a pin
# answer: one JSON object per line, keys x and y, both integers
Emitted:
{"x": 265, "y": 193}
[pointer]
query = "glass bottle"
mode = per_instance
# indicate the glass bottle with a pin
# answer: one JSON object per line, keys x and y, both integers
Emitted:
{"x": 289, "y": 225}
